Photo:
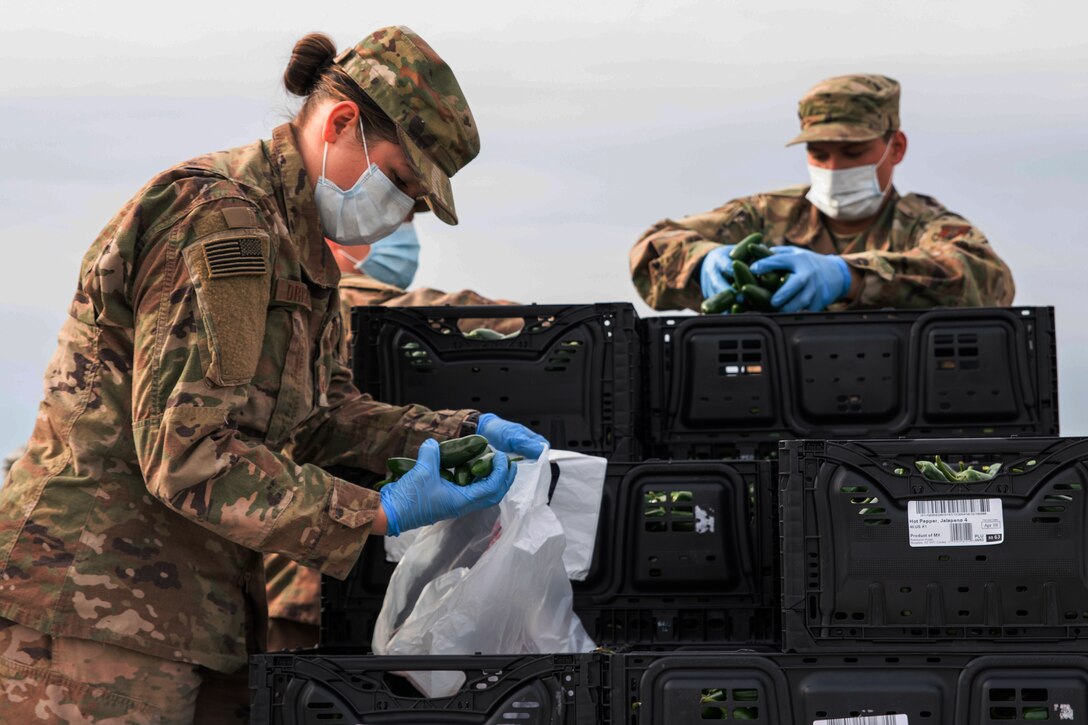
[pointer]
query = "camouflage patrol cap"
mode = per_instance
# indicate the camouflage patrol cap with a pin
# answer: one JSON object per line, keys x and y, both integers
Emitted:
{"x": 857, "y": 107}
{"x": 418, "y": 91}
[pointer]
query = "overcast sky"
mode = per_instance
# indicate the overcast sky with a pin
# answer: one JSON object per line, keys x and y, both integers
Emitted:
{"x": 596, "y": 118}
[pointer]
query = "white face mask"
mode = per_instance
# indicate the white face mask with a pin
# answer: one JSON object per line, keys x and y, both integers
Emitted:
{"x": 847, "y": 193}
{"x": 371, "y": 209}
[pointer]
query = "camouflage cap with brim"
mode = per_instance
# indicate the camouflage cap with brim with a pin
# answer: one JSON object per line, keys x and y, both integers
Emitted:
{"x": 419, "y": 92}
{"x": 848, "y": 109}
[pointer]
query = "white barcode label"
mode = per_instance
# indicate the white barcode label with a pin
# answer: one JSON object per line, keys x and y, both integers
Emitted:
{"x": 956, "y": 522}
{"x": 866, "y": 720}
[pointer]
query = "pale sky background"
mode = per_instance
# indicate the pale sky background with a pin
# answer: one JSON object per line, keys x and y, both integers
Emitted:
{"x": 597, "y": 118}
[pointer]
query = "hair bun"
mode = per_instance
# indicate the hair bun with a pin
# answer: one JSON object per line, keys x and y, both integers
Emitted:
{"x": 311, "y": 55}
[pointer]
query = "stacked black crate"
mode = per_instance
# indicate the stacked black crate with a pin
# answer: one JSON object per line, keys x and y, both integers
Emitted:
{"x": 873, "y": 632}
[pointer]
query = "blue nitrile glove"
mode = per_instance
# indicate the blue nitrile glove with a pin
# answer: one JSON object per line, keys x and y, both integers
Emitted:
{"x": 510, "y": 437}
{"x": 815, "y": 281}
{"x": 421, "y": 496}
{"x": 716, "y": 273}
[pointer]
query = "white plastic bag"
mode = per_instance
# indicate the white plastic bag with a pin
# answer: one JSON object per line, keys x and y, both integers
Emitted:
{"x": 575, "y": 500}
{"x": 491, "y": 582}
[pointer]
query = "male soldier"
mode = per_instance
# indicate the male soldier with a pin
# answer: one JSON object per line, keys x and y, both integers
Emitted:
{"x": 376, "y": 275}
{"x": 849, "y": 240}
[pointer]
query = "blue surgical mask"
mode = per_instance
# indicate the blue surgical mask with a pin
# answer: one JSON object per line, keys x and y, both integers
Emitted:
{"x": 371, "y": 209}
{"x": 395, "y": 259}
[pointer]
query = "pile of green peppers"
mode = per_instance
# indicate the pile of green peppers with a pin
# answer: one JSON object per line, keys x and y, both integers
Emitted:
{"x": 938, "y": 470}
{"x": 749, "y": 293}
{"x": 462, "y": 460}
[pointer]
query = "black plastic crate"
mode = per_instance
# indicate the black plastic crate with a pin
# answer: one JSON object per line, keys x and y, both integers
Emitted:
{"x": 572, "y": 373}
{"x": 321, "y": 688}
{"x": 856, "y": 689}
{"x": 684, "y": 555}
{"x": 734, "y": 385}
{"x": 854, "y": 578}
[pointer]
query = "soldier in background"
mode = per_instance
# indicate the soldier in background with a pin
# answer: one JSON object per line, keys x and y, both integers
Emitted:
{"x": 198, "y": 394}
{"x": 378, "y": 274}
{"x": 848, "y": 240}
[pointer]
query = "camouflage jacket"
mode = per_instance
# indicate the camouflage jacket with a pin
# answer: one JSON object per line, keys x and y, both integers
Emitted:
{"x": 197, "y": 387}
{"x": 294, "y": 591}
{"x": 917, "y": 254}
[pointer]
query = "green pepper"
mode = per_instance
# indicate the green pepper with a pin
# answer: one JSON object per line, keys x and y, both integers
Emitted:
{"x": 946, "y": 469}
{"x": 719, "y": 302}
{"x": 462, "y": 475}
{"x": 758, "y": 252}
{"x": 929, "y": 470}
{"x": 757, "y": 296}
{"x": 481, "y": 467}
{"x": 742, "y": 252}
{"x": 743, "y": 275}
{"x": 770, "y": 281}
{"x": 446, "y": 474}
{"x": 456, "y": 451}
{"x": 400, "y": 466}
{"x": 484, "y": 333}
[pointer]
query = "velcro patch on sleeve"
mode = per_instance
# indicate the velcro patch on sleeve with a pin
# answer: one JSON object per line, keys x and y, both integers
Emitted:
{"x": 236, "y": 255}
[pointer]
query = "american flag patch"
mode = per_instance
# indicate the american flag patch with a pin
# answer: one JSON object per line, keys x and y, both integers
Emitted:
{"x": 240, "y": 255}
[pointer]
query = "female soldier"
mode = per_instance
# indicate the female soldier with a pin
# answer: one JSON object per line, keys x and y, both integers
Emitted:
{"x": 198, "y": 389}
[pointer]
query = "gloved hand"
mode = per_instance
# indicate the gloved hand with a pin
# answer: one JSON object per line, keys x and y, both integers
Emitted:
{"x": 716, "y": 273}
{"x": 815, "y": 281}
{"x": 421, "y": 496}
{"x": 510, "y": 437}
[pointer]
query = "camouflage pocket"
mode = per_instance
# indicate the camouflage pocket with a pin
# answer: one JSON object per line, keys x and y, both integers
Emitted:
{"x": 231, "y": 275}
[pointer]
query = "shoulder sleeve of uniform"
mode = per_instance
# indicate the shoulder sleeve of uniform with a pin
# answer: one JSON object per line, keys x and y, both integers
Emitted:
{"x": 921, "y": 207}
{"x": 791, "y": 192}
{"x": 227, "y": 251}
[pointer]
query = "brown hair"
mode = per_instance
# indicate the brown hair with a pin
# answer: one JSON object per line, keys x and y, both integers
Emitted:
{"x": 312, "y": 74}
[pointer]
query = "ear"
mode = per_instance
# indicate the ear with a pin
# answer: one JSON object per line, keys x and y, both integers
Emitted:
{"x": 899, "y": 147}
{"x": 342, "y": 118}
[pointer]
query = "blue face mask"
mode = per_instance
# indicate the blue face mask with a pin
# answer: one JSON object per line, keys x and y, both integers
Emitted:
{"x": 371, "y": 209}
{"x": 394, "y": 259}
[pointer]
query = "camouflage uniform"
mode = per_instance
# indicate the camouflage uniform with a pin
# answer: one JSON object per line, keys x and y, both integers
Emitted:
{"x": 197, "y": 389}
{"x": 916, "y": 253}
{"x": 294, "y": 591}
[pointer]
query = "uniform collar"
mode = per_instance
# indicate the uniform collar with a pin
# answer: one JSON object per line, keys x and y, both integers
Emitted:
{"x": 807, "y": 229}
{"x": 298, "y": 200}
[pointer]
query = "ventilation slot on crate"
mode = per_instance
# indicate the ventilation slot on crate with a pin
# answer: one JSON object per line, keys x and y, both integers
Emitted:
{"x": 866, "y": 506}
{"x": 669, "y": 511}
{"x": 416, "y": 356}
{"x": 1020, "y": 704}
{"x": 724, "y": 703}
{"x": 740, "y": 356}
{"x": 560, "y": 359}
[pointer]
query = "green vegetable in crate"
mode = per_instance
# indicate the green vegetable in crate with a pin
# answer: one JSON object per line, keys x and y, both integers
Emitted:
{"x": 939, "y": 471}
{"x": 485, "y": 333}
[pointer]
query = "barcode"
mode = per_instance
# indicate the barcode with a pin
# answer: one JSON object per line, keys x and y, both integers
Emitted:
{"x": 958, "y": 506}
{"x": 866, "y": 720}
{"x": 962, "y": 532}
